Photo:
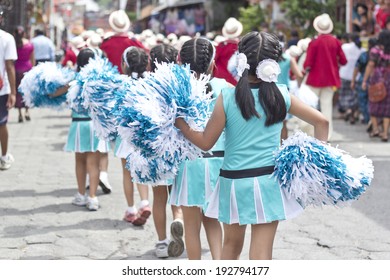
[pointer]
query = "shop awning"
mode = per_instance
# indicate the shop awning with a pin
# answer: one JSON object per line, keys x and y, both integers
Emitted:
{"x": 179, "y": 3}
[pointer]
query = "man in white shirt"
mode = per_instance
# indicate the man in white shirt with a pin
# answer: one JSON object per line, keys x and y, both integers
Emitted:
{"x": 44, "y": 49}
{"x": 8, "y": 55}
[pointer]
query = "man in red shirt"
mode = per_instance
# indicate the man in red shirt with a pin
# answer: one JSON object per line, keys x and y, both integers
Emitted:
{"x": 114, "y": 46}
{"x": 225, "y": 58}
{"x": 76, "y": 44}
{"x": 324, "y": 56}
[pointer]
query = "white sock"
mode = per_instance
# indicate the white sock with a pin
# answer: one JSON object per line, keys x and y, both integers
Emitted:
{"x": 166, "y": 240}
{"x": 131, "y": 209}
{"x": 103, "y": 174}
{"x": 144, "y": 203}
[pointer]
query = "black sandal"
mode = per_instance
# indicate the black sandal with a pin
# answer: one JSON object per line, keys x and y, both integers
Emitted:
{"x": 20, "y": 119}
{"x": 374, "y": 134}
{"x": 27, "y": 116}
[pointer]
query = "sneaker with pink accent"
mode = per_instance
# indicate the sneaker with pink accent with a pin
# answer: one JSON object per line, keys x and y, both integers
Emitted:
{"x": 143, "y": 215}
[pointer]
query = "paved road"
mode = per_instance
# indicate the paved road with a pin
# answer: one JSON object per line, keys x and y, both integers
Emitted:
{"x": 37, "y": 220}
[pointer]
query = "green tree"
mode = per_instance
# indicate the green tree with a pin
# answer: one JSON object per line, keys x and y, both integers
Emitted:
{"x": 251, "y": 17}
{"x": 301, "y": 13}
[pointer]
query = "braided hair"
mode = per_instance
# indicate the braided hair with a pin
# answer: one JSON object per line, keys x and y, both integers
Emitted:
{"x": 136, "y": 61}
{"x": 199, "y": 53}
{"x": 258, "y": 46}
{"x": 162, "y": 53}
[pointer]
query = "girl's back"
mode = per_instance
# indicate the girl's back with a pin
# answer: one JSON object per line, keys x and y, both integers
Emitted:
{"x": 249, "y": 144}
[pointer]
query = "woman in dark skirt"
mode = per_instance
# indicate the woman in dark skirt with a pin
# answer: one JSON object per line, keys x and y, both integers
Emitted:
{"x": 378, "y": 70}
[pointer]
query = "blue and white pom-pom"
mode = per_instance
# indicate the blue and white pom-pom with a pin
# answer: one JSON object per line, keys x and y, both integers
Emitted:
{"x": 96, "y": 93}
{"x": 317, "y": 174}
{"x": 43, "y": 80}
{"x": 147, "y": 119}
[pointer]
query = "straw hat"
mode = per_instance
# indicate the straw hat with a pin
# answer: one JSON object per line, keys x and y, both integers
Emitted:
{"x": 323, "y": 24}
{"x": 119, "y": 21}
{"x": 232, "y": 28}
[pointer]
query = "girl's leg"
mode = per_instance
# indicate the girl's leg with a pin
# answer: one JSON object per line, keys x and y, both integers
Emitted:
{"x": 81, "y": 171}
{"x": 27, "y": 114}
{"x": 93, "y": 172}
{"x": 103, "y": 177}
{"x": 160, "y": 197}
{"x": 192, "y": 223}
{"x": 214, "y": 236}
{"x": 262, "y": 240}
{"x": 128, "y": 186}
{"x": 233, "y": 241}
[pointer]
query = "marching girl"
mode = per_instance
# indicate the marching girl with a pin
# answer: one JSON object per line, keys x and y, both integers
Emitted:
{"x": 166, "y": 247}
{"x": 134, "y": 64}
{"x": 87, "y": 147}
{"x": 196, "y": 179}
{"x": 252, "y": 114}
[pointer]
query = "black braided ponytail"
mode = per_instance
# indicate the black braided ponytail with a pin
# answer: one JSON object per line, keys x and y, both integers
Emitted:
{"x": 136, "y": 60}
{"x": 162, "y": 53}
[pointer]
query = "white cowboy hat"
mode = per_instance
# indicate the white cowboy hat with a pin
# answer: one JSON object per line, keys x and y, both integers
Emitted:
{"x": 304, "y": 44}
{"x": 232, "y": 28}
{"x": 323, "y": 24}
{"x": 94, "y": 41}
{"x": 119, "y": 21}
{"x": 294, "y": 51}
{"x": 77, "y": 42}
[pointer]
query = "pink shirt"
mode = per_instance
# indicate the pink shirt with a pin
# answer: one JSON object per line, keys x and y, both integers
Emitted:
{"x": 23, "y": 63}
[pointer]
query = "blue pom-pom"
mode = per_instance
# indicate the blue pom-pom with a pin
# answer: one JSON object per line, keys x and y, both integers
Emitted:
{"x": 147, "y": 116}
{"x": 317, "y": 174}
{"x": 43, "y": 80}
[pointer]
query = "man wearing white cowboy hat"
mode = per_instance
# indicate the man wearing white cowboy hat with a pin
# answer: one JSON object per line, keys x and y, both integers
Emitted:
{"x": 324, "y": 55}
{"x": 115, "y": 45}
{"x": 225, "y": 51}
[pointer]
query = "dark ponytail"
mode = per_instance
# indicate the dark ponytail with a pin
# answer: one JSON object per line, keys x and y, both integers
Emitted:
{"x": 162, "y": 53}
{"x": 19, "y": 34}
{"x": 136, "y": 60}
{"x": 258, "y": 47}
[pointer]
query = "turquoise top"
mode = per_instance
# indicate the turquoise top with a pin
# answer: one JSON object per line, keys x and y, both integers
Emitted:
{"x": 249, "y": 144}
{"x": 284, "y": 76}
{"x": 217, "y": 85}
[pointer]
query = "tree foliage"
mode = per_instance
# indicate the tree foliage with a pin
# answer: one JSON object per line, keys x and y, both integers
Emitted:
{"x": 251, "y": 17}
{"x": 301, "y": 13}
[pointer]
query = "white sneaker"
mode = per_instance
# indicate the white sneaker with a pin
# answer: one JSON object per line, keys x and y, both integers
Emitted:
{"x": 161, "y": 249}
{"x": 79, "y": 200}
{"x": 92, "y": 203}
{"x": 104, "y": 183}
{"x": 6, "y": 161}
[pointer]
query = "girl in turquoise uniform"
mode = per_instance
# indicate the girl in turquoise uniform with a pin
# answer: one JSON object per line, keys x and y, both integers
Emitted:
{"x": 196, "y": 179}
{"x": 134, "y": 64}
{"x": 86, "y": 146}
{"x": 173, "y": 246}
{"x": 252, "y": 115}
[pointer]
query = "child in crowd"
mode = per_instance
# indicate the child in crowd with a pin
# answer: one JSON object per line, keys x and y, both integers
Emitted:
{"x": 87, "y": 147}
{"x": 174, "y": 246}
{"x": 134, "y": 64}
{"x": 252, "y": 114}
{"x": 197, "y": 178}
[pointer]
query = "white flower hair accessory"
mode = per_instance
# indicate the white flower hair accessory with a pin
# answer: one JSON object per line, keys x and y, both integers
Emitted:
{"x": 242, "y": 64}
{"x": 268, "y": 70}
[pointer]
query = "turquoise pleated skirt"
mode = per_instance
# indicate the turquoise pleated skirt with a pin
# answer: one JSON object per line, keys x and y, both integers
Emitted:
{"x": 82, "y": 138}
{"x": 195, "y": 181}
{"x": 254, "y": 200}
